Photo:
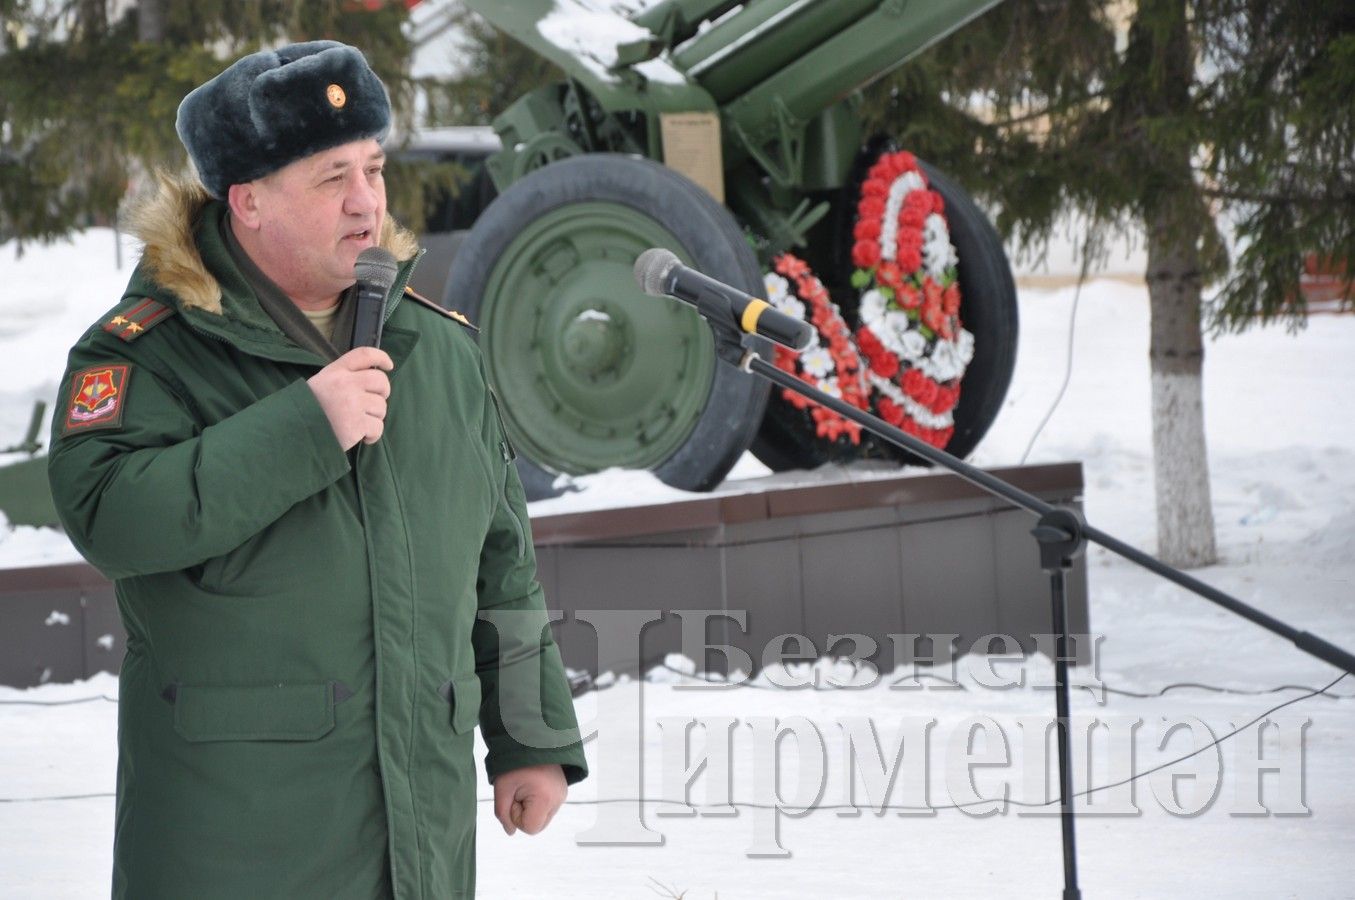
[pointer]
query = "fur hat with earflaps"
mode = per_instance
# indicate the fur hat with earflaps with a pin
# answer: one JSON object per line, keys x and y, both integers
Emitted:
{"x": 274, "y": 107}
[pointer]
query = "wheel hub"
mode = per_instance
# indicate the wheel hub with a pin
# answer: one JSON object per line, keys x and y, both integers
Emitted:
{"x": 593, "y": 372}
{"x": 594, "y": 343}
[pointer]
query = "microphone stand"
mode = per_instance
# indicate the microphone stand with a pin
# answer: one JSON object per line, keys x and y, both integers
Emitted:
{"x": 1061, "y": 535}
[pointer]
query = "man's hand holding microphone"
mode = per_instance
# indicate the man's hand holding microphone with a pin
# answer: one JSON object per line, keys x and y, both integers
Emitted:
{"x": 354, "y": 388}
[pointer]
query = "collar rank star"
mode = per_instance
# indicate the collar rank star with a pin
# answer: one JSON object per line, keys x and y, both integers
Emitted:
{"x": 98, "y": 398}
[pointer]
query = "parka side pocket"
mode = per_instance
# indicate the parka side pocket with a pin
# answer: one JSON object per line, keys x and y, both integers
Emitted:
{"x": 275, "y": 712}
{"x": 463, "y": 693}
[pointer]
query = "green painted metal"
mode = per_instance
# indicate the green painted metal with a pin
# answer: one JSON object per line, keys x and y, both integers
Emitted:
{"x": 593, "y": 373}
{"x": 871, "y": 46}
{"x": 25, "y": 497}
{"x": 777, "y": 71}
{"x": 611, "y": 57}
{"x": 734, "y": 56}
{"x": 674, "y": 21}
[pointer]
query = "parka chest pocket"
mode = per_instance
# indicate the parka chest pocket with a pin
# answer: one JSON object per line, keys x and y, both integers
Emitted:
{"x": 275, "y": 712}
{"x": 463, "y": 694}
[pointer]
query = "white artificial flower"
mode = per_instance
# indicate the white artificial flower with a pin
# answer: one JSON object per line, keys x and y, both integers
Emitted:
{"x": 966, "y": 346}
{"x": 913, "y": 345}
{"x": 816, "y": 361}
{"x": 791, "y": 306}
{"x": 872, "y": 307}
{"x": 830, "y": 387}
{"x": 897, "y": 323}
{"x": 777, "y": 287}
{"x": 935, "y": 229}
{"x": 945, "y": 361}
{"x": 938, "y": 254}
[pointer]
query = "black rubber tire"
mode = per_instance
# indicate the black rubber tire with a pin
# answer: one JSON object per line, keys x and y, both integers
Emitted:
{"x": 988, "y": 310}
{"x": 440, "y": 248}
{"x": 707, "y": 233}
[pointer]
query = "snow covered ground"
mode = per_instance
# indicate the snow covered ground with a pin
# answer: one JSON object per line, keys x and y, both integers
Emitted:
{"x": 1283, "y": 464}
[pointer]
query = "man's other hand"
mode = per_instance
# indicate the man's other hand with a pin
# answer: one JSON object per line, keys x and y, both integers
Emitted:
{"x": 352, "y": 391}
{"x": 528, "y": 798}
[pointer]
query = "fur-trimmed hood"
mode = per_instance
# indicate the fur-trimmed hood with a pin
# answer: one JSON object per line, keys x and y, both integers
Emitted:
{"x": 165, "y": 221}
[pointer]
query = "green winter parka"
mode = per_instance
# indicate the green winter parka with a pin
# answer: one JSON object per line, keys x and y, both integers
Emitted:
{"x": 312, "y": 635}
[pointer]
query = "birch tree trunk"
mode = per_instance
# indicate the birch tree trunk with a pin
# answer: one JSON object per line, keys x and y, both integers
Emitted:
{"x": 1185, "y": 517}
{"x": 1175, "y": 218}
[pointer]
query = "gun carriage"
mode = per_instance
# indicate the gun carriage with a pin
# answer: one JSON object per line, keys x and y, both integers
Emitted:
{"x": 727, "y": 133}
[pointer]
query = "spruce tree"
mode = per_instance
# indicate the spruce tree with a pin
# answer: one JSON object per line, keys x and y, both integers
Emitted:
{"x": 87, "y": 102}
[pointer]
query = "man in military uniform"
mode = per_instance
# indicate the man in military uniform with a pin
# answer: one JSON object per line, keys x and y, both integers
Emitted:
{"x": 321, "y": 553}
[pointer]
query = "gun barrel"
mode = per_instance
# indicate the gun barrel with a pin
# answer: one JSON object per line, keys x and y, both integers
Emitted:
{"x": 870, "y": 43}
{"x": 677, "y": 20}
{"x": 761, "y": 39}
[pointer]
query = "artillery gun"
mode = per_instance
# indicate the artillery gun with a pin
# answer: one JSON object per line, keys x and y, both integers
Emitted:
{"x": 727, "y": 133}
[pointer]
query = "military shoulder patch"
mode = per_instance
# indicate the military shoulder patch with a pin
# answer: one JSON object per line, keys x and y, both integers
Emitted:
{"x": 131, "y": 320}
{"x": 98, "y": 398}
{"x": 449, "y": 313}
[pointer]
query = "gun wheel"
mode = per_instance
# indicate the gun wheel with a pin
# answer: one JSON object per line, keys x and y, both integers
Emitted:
{"x": 591, "y": 372}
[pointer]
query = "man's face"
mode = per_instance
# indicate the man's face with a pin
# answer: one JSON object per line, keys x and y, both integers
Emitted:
{"x": 317, "y": 214}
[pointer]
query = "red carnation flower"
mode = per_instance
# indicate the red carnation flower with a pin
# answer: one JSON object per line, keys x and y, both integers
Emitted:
{"x": 871, "y": 207}
{"x": 868, "y": 343}
{"x": 950, "y": 299}
{"x": 908, "y": 297}
{"x": 945, "y": 398}
{"x": 901, "y": 162}
{"x": 866, "y": 254}
{"x": 886, "y": 365}
{"x": 875, "y": 187}
{"x": 867, "y": 230}
{"x": 912, "y": 220}
{"x": 890, "y": 411}
{"x": 909, "y": 257}
{"x": 938, "y": 203}
{"x": 927, "y": 396}
{"x": 890, "y": 275}
{"x": 933, "y": 317}
{"x": 791, "y": 266}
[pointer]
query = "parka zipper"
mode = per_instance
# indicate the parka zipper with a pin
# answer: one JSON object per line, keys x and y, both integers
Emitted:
{"x": 517, "y": 523}
{"x": 509, "y": 454}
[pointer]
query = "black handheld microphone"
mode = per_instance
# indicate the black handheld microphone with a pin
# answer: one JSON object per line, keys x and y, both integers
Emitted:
{"x": 375, "y": 271}
{"x": 660, "y": 273}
